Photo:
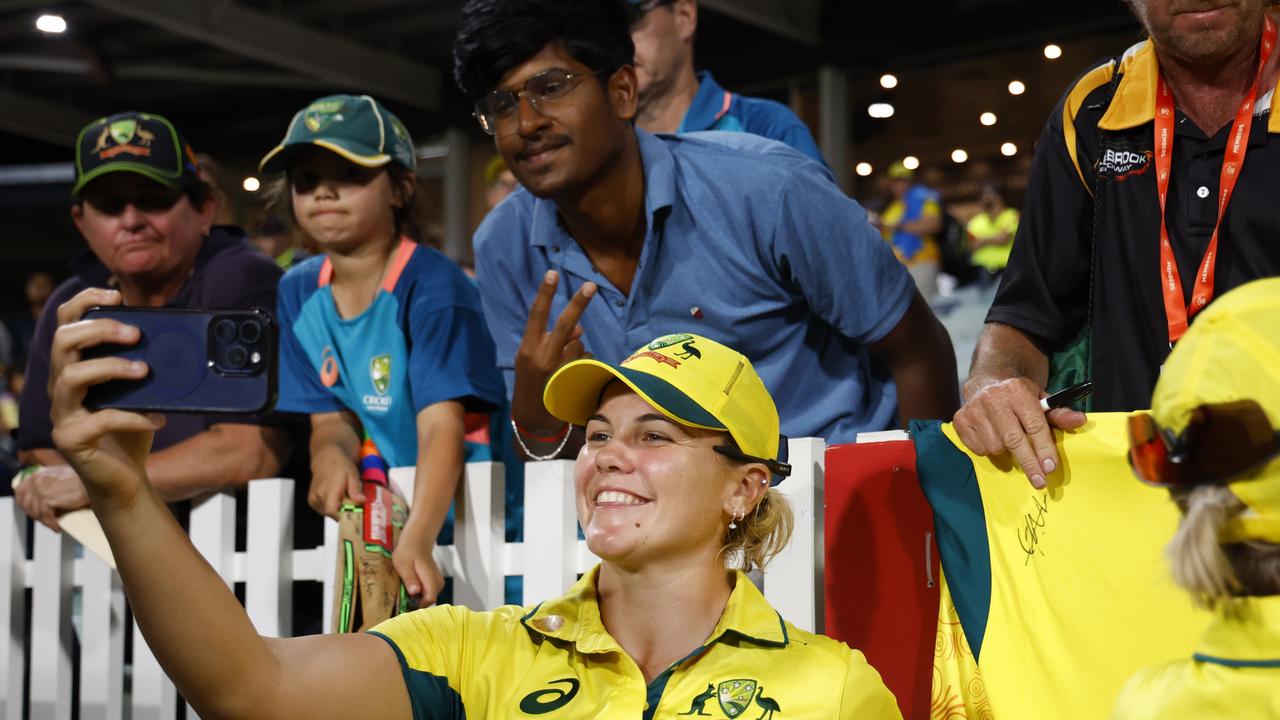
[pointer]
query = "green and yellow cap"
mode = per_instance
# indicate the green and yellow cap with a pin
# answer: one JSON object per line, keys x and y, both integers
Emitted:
{"x": 135, "y": 142}
{"x": 691, "y": 379}
{"x": 1232, "y": 352}
{"x": 357, "y": 127}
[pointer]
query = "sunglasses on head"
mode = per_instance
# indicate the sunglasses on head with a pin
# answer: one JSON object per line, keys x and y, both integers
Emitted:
{"x": 1221, "y": 441}
{"x": 637, "y": 10}
{"x": 149, "y": 200}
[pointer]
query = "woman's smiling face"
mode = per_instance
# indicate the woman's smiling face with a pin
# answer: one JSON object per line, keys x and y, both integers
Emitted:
{"x": 648, "y": 487}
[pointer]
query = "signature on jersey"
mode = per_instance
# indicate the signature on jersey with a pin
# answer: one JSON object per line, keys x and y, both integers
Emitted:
{"x": 1032, "y": 529}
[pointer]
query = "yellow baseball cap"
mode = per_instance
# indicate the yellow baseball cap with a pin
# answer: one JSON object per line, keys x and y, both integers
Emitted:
{"x": 691, "y": 379}
{"x": 898, "y": 171}
{"x": 1232, "y": 352}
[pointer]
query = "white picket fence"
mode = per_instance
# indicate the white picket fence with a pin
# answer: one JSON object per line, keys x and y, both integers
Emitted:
{"x": 550, "y": 559}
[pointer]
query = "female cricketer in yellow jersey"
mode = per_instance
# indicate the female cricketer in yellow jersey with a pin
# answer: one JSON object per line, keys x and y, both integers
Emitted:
{"x": 674, "y": 480}
{"x": 1213, "y": 438}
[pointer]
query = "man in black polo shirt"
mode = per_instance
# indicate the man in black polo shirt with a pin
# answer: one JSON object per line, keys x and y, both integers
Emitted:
{"x": 148, "y": 220}
{"x": 1124, "y": 226}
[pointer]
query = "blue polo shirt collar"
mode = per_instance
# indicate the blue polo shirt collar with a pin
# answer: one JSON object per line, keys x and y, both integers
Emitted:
{"x": 548, "y": 232}
{"x": 708, "y": 105}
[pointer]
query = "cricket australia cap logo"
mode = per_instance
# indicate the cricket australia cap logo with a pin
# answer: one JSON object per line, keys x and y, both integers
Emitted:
{"x": 380, "y": 373}
{"x": 128, "y": 136}
{"x": 321, "y": 115}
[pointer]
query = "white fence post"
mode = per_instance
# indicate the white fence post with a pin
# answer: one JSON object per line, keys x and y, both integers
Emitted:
{"x": 328, "y": 566}
{"x": 13, "y": 583}
{"x": 213, "y": 532}
{"x": 793, "y": 582}
{"x": 101, "y": 641}
{"x": 550, "y": 530}
{"x": 478, "y": 532}
{"x": 51, "y": 626}
{"x": 268, "y": 593}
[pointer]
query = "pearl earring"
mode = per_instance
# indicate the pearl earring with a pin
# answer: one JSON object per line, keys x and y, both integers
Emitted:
{"x": 733, "y": 525}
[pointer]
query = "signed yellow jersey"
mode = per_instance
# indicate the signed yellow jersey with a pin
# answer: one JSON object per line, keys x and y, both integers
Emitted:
{"x": 1234, "y": 673}
{"x": 557, "y": 659}
{"x": 1061, "y": 594}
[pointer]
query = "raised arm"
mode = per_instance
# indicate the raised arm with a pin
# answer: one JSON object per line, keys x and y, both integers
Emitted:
{"x": 189, "y": 617}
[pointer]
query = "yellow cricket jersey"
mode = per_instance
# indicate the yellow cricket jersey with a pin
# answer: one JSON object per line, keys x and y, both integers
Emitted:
{"x": 983, "y": 226}
{"x": 1062, "y": 594}
{"x": 558, "y": 660}
{"x": 1234, "y": 673}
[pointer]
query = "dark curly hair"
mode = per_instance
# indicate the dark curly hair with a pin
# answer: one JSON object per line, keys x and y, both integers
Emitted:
{"x": 497, "y": 35}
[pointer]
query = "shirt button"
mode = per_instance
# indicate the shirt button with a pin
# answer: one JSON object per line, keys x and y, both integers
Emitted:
{"x": 620, "y": 303}
{"x": 555, "y": 248}
{"x": 1203, "y": 192}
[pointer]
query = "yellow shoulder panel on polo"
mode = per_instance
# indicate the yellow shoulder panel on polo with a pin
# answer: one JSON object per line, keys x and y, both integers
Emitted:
{"x": 557, "y": 660}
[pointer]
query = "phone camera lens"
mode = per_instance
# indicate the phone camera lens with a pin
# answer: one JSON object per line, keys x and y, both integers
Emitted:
{"x": 250, "y": 332}
{"x": 237, "y": 357}
{"x": 225, "y": 330}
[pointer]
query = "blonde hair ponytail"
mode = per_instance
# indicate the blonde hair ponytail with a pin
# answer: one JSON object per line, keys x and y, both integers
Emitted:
{"x": 760, "y": 535}
{"x": 1218, "y": 575}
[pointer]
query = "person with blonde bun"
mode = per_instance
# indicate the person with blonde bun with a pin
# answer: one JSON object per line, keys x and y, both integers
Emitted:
{"x": 1212, "y": 439}
{"x": 674, "y": 491}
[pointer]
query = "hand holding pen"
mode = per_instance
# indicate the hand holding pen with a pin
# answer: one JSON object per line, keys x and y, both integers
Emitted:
{"x": 1014, "y": 416}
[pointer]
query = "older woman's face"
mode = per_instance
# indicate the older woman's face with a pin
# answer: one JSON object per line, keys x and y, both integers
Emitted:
{"x": 650, "y": 489}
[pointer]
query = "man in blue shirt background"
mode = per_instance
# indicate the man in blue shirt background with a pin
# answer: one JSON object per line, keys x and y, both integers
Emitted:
{"x": 673, "y": 98}
{"x": 726, "y": 235}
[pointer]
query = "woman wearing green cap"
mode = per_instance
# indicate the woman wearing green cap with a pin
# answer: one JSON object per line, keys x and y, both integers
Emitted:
{"x": 1213, "y": 438}
{"x": 673, "y": 492}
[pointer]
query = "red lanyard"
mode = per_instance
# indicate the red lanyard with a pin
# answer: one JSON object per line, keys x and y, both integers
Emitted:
{"x": 1232, "y": 163}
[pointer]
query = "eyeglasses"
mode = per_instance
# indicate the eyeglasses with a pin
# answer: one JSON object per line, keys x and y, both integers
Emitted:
{"x": 150, "y": 200}
{"x": 542, "y": 91}
{"x": 1220, "y": 442}
{"x": 637, "y": 10}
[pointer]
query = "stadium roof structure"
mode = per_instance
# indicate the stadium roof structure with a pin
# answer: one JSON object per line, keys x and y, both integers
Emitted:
{"x": 231, "y": 72}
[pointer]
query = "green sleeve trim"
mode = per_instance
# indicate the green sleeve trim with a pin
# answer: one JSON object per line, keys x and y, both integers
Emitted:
{"x": 429, "y": 695}
{"x": 950, "y": 485}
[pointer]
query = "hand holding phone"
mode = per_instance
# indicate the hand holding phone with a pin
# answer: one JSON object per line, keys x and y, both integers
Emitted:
{"x": 201, "y": 361}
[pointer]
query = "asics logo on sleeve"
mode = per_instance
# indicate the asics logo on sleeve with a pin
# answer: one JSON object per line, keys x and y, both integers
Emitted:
{"x": 539, "y": 702}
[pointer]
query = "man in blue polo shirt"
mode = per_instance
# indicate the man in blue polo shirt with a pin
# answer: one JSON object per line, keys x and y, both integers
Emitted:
{"x": 742, "y": 238}
{"x": 675, "y": 99}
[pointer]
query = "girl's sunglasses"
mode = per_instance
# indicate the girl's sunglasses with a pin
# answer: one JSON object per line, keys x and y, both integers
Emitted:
{"x": 1221, "y": 441}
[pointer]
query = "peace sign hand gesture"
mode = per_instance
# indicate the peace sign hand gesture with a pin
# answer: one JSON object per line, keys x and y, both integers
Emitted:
{"x": 540, "y": 354}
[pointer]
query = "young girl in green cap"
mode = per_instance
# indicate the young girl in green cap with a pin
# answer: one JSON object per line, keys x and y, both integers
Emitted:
{"x": 382, "y": 341}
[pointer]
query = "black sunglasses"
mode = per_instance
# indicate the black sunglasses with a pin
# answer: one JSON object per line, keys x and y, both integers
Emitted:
{"x": 777, "y": 467}
{"x": 637, "y": 10}
{"x": 157, "y": 199}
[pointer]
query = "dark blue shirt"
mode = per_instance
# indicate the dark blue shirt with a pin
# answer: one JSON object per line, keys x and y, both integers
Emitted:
{"x": 749, "y": 243}
{"x": 715, "y": 108}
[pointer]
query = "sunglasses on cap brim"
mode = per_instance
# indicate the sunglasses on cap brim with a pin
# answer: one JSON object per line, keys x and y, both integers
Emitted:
{"x": 1221, "y": 442}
